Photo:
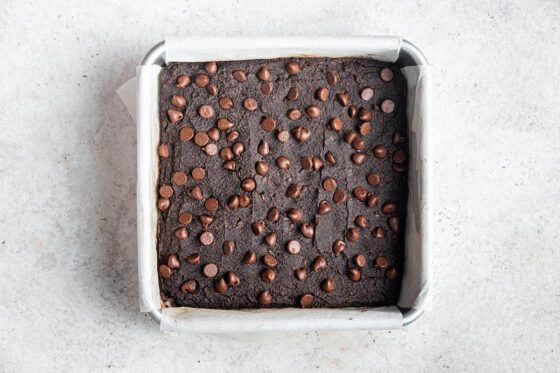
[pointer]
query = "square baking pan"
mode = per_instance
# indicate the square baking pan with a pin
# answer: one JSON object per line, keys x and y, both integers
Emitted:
{"x": 415, "y": 291}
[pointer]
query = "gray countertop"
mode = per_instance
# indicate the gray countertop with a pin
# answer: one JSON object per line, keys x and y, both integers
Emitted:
{"x": 68, "y": 167}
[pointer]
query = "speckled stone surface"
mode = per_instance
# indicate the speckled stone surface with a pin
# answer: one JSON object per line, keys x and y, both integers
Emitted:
{"x": 68, "y": 168}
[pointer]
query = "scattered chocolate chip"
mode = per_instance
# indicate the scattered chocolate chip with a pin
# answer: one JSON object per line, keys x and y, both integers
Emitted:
{"x": 324, "y": 207}
{"x": 194, "y": 258}
{"x": 322, "y": 94}
{"x": 365, "y": 128}
{"x": 261, "y": 168}
{"x": 263, "y": 148}
{"x": 380, "y": 151}
{"x": 360, "y": 193}
{"x": 268, "y": 124}
{"x": 226, "y": 153}
{"x": 352, "y": 112}
{"x": 317, "y": 163}
{"x": 180, "y": 178}
{"x": 352, "y": 234}
{"x": 232, "y": 278}
{"x": 307, "y": 230}
{"x": 393, "y": 222}
{"x": 224, "y": 124}
{"x": 374, "y": 179}
{"x": 399, "y": 167}
{"x": 389, "y": 208}
{"x": 211, "y": 149}
{"x": 327, "y": 285}
{"x": 211, "y": 67}
{"x": 332, "y": 77}
{"x": 186, "y": 134}
{"x": 293, "y": 247}
{"x": 206, "y": 238}
{"x": 250, "y": 257}
{"x": 360, "y": 261}
{"x": 313, "y": 111}
{"x": 283, "y": 163}
{"x": 174, "y": 116}
{"x": 182, "y": 81}
{"x": 319, "y": 264}
{"x": 165, "y": 272}
{"x": 173, "y": 262}
{"x": 294, "y": 114}
{"x": 343, "y": 98}
{"x": 212, "y": 89}
{"x": 358, "y": 144}
{"x": 202, "y": 80}
{"x": 248, "y": 184}
{"x": 391, "y": 273}
{"x": 220, "y": 286}
{"x": 268, "y": 275}
{"x": 386, "y": 74}
{"x": 210, "y": 270}
{"x": 372, "y": 200}
{"x": 361, "y": 221}
{"x": 229, "y": 165}
{"x": 163, "y": 151}
{"x": 388, "y": 106}
{"x": 336, "y": 124}
{"x": 301, "y": 133}
{"x": 350, "y": 137}
{"x": 228, "y": 247}
{"x": 365, "y": 115}
{"x": 339, "y": 196}
{"x": 267, "y": 88}
{"x": 182, "y": 233}
{"x": 206, "y": 111}
{"x": 301, "y": 274}
{"x": 257, "y": 228}
{"x": 206, "y": 220}
{"x": 178, "y": 101}
{"x": 338, "y": 246}
{"x": 306, "y": 300}
{"x": 264, "y": 298}
{"x": 165, "y": 191}
{"x": 238, "y": 148}
{"x": 270, "y": 260}
{"x": 354, "y": 274}
{"x": 250, "y": 104}
{"x": 399, "y": 156}
{"x": 382, "y": 262}
{"x": 185, "y": 218}
{"x": 293, "y": 68}
{"x": 306, "y": 163}
{"x": 214, "y": 133}
{"x": 240, "y": 76}
{"x": 244, "y": 200}
{"x": 358, "y": 158}
{"x": 195, "y": 193}
{"x": 198, "y": 173}
{"x": 378, "y": 232}
{"x": 201, "y": 139}
{"x": 232, "y": 136}
{"x": 189, "y": 286}
{"x": 398, "y": 138}
{"x": 233, "y": 202}
{"x": 163, "y": 204}
{"x": 264, "y": 73}
{"x": 329, "y": 157}
{"x": 293, "y": 94}
{"x": 329, "y": 184}
{"x": 294, "y": 191}
{"x": 270, "y": 239}
{"x": 225, "y": 102}
{"x": 295, "y": 215}
{"x": 283, "y": 136}
{"x": 273, "y": 214}
{"x": 366, "y": 94}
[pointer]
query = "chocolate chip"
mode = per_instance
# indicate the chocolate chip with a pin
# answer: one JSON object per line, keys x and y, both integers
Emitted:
{"x": 283, "y": 136}
{"x": 380, "y": 151}
{"x": 324, "y": 207}
{"x": 393, "y": 222}
{"x": 329, "y": 184}
{"x": 270, "y": 239}
{"x": 244, "y": 200}
{"x": 273, "y": 214}
{"x": 173, "y": 262}
{"x": 240, "y": 76}
{"x": 268, "y": 124}
{"x": 343, "y": 98}
{"x": 233, "y": 202}
{"x": 228, "y": 247}
{"x": 257, "y": 228}
{"x": 382, "y": 262}
{"x": 327, "y": 285}
{"x": 319, "y": 264}
{"x": 360, "y": 193}
{"x": 224, "y": 124}
{"x": 186, "y": 134}
{"x": 232, "y": 136}
{"x": 185, "y": 218}
{"x": 211, "y": 67}
{"x": 264, "y": 73}
{"x": 307, "y": 230}
{"x": 212, "y": 89}
{"x": 195, "y": 193}
{"x": 352, "y": 112}
{"x": 210, "y": 270}
{"x": 358, "y": 144}
{"x": 264, "y": 298}
{"x": 178, "y": 101}
{"x": 313, "y": 111}
{"x": 398, "y": 138}
{"x": 294, "y": 114}
{"x": 358, "y": 158}
{"x": 365, "y": 128}
{"x": 306, "y": 300}
{"x": 165, "y": 191}
{"x": 263, "y": 148}
{"x": 293, "y": 94}
{"x": 294, "y": 191}
{"x": 165, "y": 272}
{"x": 174, "y": 116}
{"x": 201, "y": 139}
{"x": 206, "y": 238}
{"x": 399, "y": 167}
{"x": 301, "y": 133}
{"x": 386, "y": 74}
{"x": 211, "y": 149}
{"x": 339, "y": 196}
{"x": 338, "y": 246}
{"x": 389, "y": 208}
{"x": 301, "y": 274}
{"x": 238, "y": 148}
{"x": 163, "y": 151}
{"x": 329, "y": 157}
{"x": 202, "y": 80}
{"x": 270, "y": 260}
{"x": 361, "y": 221}
{"x": 163, "y": 204}
{"x": 350, "y": 137}
{"x": 360, "y": 261}
{"x": 372, "y": 200}
{"x": 267, "y": 88}
{"x": 354, "y": 274}
{"x": 214, "y": 134}
{"x": 232, "y": 279}
{"x": 322, "y": 94}
{"x": 336, "y": 124}
{"x": 365, "y": 115}
{"x": 250, "y": 104}
{"x": 293, "y": 247}
{"x": 391, "y": 273}
{"x": 378, "y": 232}
{"x": 225, "y": 102}
{"x": 189, "y": 286}
{"x": 366, "y": 94}
{"x": 226, "y": 153}
{"x": 268, "y": 275}
{"x": 374, "y": 179}
{"x": 250, "y": 257}
{"x": 261, "y": 168}
{"x": 388, "y": 106}
{"x": 248, "y": 184}
{"x": 293, "y": 68}
{"x": 206, "y": 111}
{"x": 220, "y": 286}
{"x": 399, "y": 156}
{"x": 206, "y": 220}
{"x": 306, "y": 163}
{"x": 352, "y": 234}
{"x": 332, "y": 77}
{"x": 229, "y": 165}
{"x": 194, "y": 258}
{"x": 283, "y": 163}
{"x": 180, "y": 178}
{"x": 295, "y": 215}
{"x": 182, "y": 81}
{"x": 198, "y": 173}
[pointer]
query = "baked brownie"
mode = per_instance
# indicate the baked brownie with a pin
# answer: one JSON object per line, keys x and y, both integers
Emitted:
{"x": 282, "y": 183}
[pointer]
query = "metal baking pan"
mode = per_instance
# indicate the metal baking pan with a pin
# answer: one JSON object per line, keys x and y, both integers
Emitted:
{"x": 190, "y": 320}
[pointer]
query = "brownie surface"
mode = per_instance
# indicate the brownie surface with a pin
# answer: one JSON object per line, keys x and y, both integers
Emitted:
{"x": 351, "y": 281}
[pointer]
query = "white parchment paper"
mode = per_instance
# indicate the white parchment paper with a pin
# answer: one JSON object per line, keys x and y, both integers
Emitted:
{"x": 416, "y": 277}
